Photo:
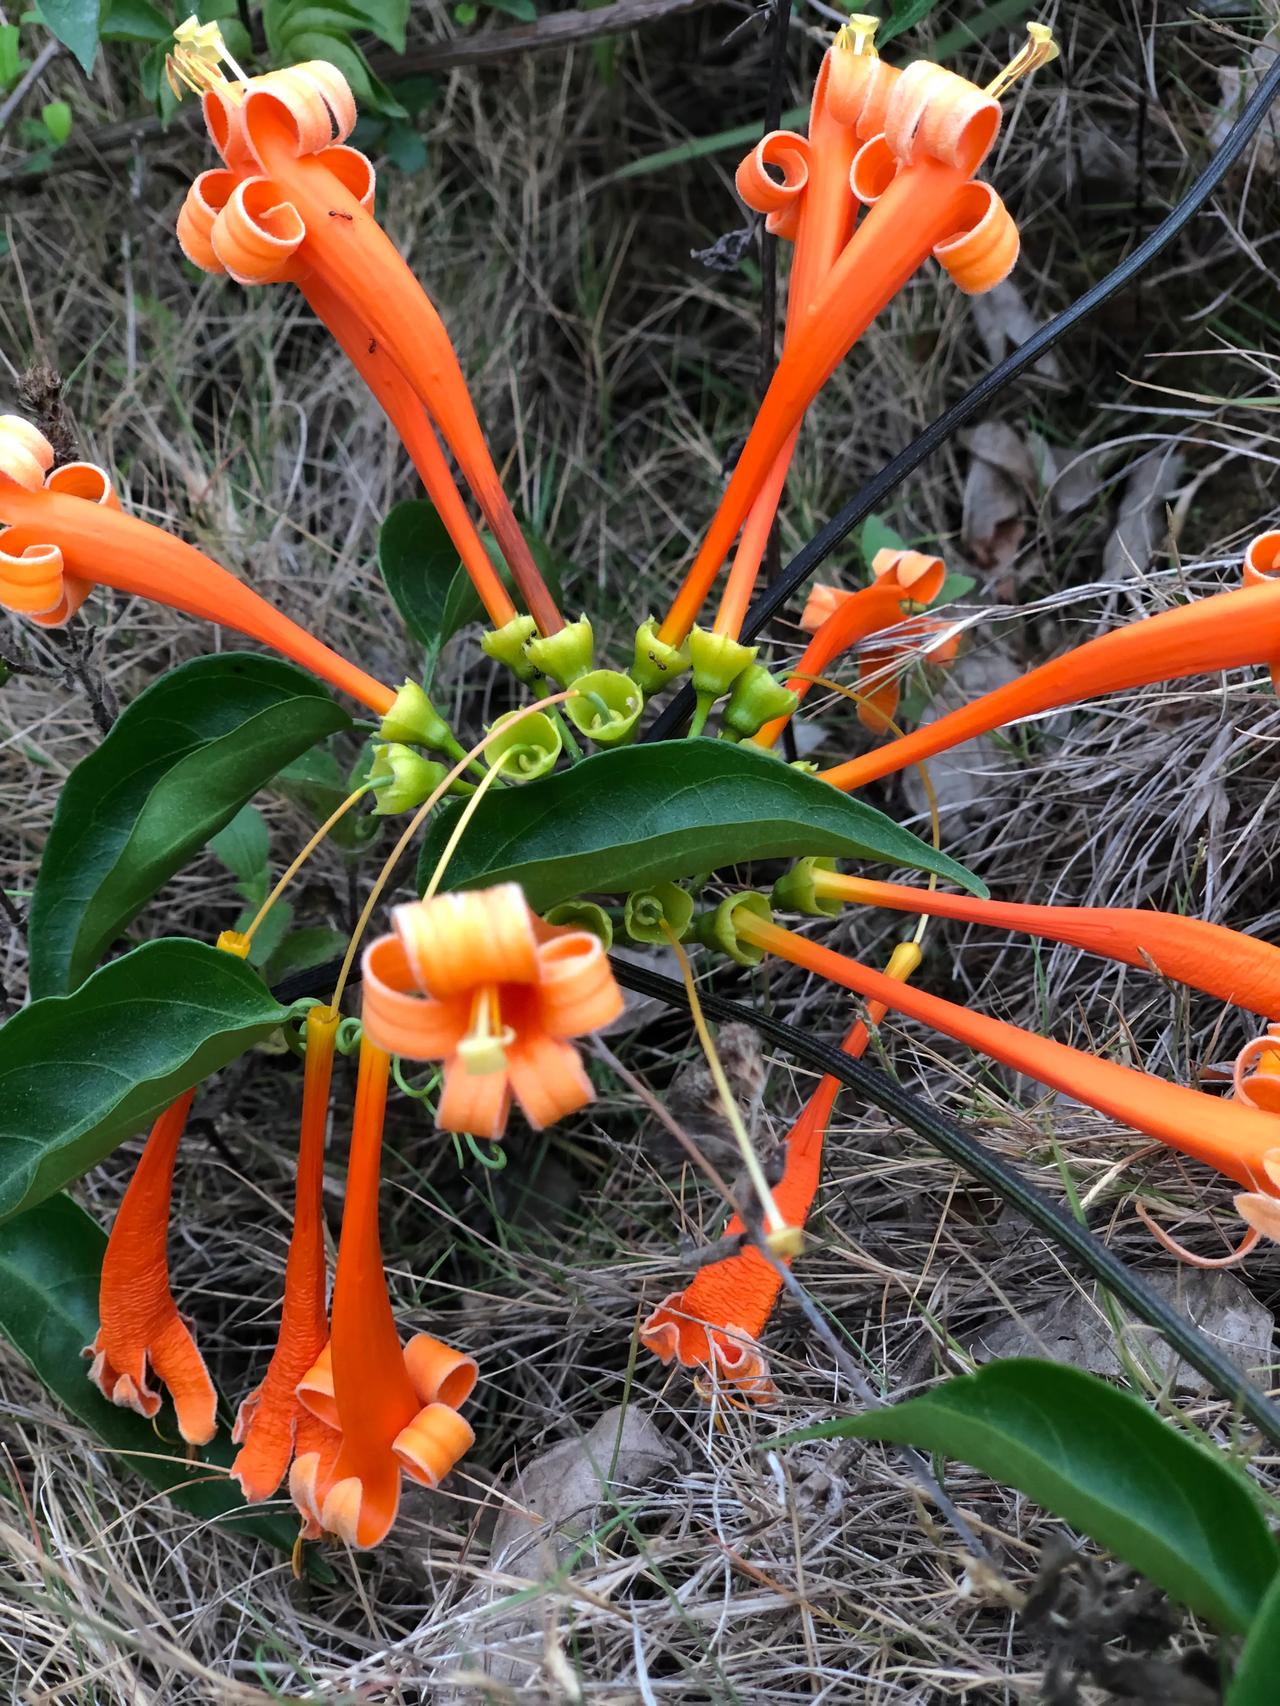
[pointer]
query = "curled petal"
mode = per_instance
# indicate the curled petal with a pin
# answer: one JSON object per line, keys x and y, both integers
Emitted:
{"x": 1256, "y": 1074}
{"x": 982, "y": 250}
{"x": 205, "y": 200}
{"x": 172, "y": 1355}
{"x": 312, "y": 102}
{"x": 915, "y": 572}
{"x": 440, "y": 1374}
{"x": 31, "y": 581}
{"x": 456, "y": 942}
{"x": 933, "y": 114}
{"x": 857, "y": 90}
{"x": 257, "y": 235}
{"x": 778, "y": 199}
{"x": 311, "y": 1473}
{"x": 353, "y": 170}
{"x": 396, "y": 1016}
{"x": 475, "y": 1102}
{"x": 1262, "y": 559}
{"x": 740, "y": 1363}
{"x": 673, "y": 1334}
{"x": 874, "y": 168}
{"x": 26, "y": 455}
{"x": 315, "y": 1389}
{"x": 823, "y": 602}
{"x": 434, "y": 1441}
{"x": 577, "y": 991}
{"x": 1261, "y": 1212}
{"x": 548, "y": 1079}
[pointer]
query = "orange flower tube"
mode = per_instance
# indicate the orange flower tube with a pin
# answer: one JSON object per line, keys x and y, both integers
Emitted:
{"x": 939, "y": 129}
{"x": 1229, "y": 630}
{"x": 1224, "y": 963}
{"x": 902, "y": 578}
{"x": 310, "y": 212}
{"x": 1226, "y": 1135}
{"x": 140, "y": 1326}
{"x": 67, "y": 533}
{"x": 272, "y": 1423}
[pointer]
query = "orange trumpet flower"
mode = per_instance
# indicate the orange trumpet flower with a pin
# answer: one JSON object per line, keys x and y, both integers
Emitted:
{"x": 1242, "y": 1142}
{"x": 476, "y": 981}
{"x": 1224, "y": 963}
{"x": 716, "y": 1321}
{"x": 918, "y": 181}
{"x": 273, "y": 1423}
{"x": 140, "y": 1326}
{"x": 901, "y": 580}
{"x": 1229, "y": 630}
{"x": 388, "y": 1403}
{"x": 66, "y": 533}
{"x": 295, "y": 202}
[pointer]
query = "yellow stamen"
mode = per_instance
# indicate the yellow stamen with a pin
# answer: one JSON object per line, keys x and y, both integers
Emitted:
{"x": 484, "y": 1048}
{"x": 302, "y": 858}
{"x": 858, "y": 35}
{"x": 782, "y": 1239}
{"x": 1038, "y": 50}
{"x": 199, "y": 53}
{"x": 235, "y": 942}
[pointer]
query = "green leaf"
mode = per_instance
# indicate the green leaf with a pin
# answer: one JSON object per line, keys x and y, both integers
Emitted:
{"x": 639, "y": 815}
{"x": 1254, "y": 1683}
{"x": 12, "y": 64}
{"x": 905, "y": 15}
{"x": 80, "y": 1073}
{"x": 75, "y": 23}
{"x": 954, "y": 586}
{"x": 405, "y": 148}
{"x": 303, "y": 950}
{"x": 876, "y": 535}
{"x": 244, "y": 847}
{"x": 388, "y": 20}
{"x": 419, "y": 563}
{"x": 57, "y": 121}
{"x": 50, "y": 1260}
{"x": 1105, "y": 1463}
{"x": 135, "y": 20}
{"x": 176, "y": 767}
{"x": 525, "y": 10}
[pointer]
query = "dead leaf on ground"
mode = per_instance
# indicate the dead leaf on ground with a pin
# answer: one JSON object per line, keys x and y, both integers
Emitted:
{"x": 1141, "y": 524}
{"x": 694, "y": 1103}
{"x": 1004, "y": 322}
{"x": 1000, "y": 492}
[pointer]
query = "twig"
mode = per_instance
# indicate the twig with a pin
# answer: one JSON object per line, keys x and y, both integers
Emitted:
{"x": 51, "y": 49}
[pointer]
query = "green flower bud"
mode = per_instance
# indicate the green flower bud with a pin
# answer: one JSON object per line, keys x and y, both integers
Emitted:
{"x": 414, "y": 721}
{"x": 717, "y": 661}
{"x": 402, "y": 778}
{"x": 718, "y": 929}
{"x": 656, "y": 664}
{"x": 756, "y": 699}
{"x": 583, "y": 915}
{"x": 530, "y": 742}
{"x": 794, "y": 891}
{"x": 647, "y": 910}
{"x": 607, "y": 706}
{"x": 509, "y": 644}
{"x": 564, "y": 655}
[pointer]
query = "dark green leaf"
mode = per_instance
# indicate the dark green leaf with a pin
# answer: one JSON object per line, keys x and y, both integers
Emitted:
{"x": 905, "y": 15}
{"x": 416, "y": 94}
{"x": 75, "y": 23}
{"x": 388, "y": 20}
{"x": 135, "y": 20}
{"x": 50, "y": 1261}
{"x": 80, "y": 1073}
{"x": 420, "y": 566}
{"x": 244, "y": 847}
{"x": 1257, "y": 1678}
{"x": 1105, "y": 1463}
{"x": 954, "y": 586}
{"x": 639, "y": 815}
{"x": 405, "y": 148}
{"x": 525, "y": 10}
{"x": 176, "y": 767}
{"x": 302, "y": 950}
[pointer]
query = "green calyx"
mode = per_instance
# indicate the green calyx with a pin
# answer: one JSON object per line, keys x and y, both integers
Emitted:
{"x": 529, "y": 745}
{"x": 756, "y": 699}
{"x": 650, "y": 913}
{"x": 414, "y": 721}
{"x": 583, "y": 915}
{"x": 606, "y": 706}
{"x": 564, "y": 655}
{"x": 719, "y": 929}
{"x": 794, "y": 891}
{"x": 402, "y": 779}
{"x": 656, "y": 664}
{"x": 510, "y": 645}
{"x": 717, "y": 661}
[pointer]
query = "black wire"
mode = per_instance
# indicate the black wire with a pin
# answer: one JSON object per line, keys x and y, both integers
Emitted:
{"x": 873, "y": 494}
{"x": 975, "y": 1158}
{"x": 957, "y": 1145}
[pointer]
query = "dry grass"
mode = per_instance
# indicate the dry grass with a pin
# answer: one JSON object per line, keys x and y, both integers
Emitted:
{"x": 615, "y": 376}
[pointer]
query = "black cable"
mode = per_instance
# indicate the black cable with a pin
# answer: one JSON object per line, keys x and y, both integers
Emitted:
{"x": 982, "y": 1163}
{"x": 953, "y": 1141}
{"x": 873, "y": 494}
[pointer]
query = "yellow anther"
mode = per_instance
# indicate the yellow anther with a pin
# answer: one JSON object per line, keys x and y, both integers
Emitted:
{"x": 236, "y": 942}
{"x": 196, "y": 62}
{"x": 858, "y": 35}
{"x": 484, "y": 1048}
{"x": 1039, "y": 49}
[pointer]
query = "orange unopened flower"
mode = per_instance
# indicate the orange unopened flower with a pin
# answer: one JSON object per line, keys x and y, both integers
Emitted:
{"x": 272, "y": 1422}
{"x": 916, "y": 170}
{"x": 716, "y": 1321}
{"x": 295, "y": 202}
{"x": 476, "y": 981}
{"x": 901, "y": 580}
{"x": 66, "y": 533}
{"x": 141, "y": 1328}
{"x": 1229, "y": 630}
{"x": 393, "y": 1409}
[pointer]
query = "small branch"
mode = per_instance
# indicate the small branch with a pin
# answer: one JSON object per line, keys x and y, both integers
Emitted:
{"x": 51, "y": 49}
